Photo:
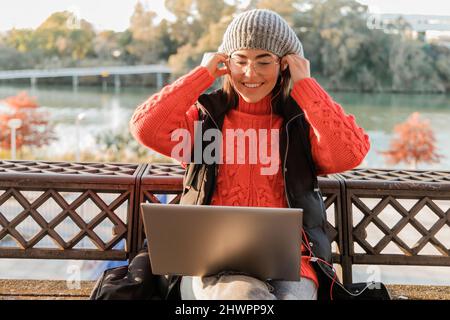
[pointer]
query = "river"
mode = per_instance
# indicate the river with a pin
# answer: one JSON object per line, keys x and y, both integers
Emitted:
{"x": 108, "y": 110}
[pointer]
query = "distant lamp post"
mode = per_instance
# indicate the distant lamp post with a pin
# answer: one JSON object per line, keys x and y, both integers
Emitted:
{"x": 80, "y": 117}
{"x": 14, "y": 124}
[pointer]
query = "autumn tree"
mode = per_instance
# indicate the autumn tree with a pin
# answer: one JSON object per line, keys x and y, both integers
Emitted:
{"x": 207, "y": 20}
{"x": 145, "y": 41}
{"x": 144, "y": 45}
{"x": 35, "y": 130}
{"x": 286, "y": 8}
{"x": 186, "y": 29}
{"x": 63, "y": 35}
{"x": 106, "y": 44}
{"x": 413, "y": 144}
{"x": 168, "y": 45}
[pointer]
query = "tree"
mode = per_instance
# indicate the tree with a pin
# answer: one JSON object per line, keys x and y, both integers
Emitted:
{"x": 285, "y": 8}
{"x": 440, "y": 55}
{"x": 142, "y": 23}
{"x": 144, "y": 45}
{"x": 195, "y": 17}
{"x": 106, "y": 44}
{"x": 209, "y": 12}
{"x": 414, "y": 143}
{"x": 206, "y": 21}
{"x": 20, "y": 39}
{"x": 334, "y": 34}
{"x": 185, "y": 29}
{"x": 57, "y": 36}
{"x": 12, "y": 59}
{"x": 168, "y": 43}
{"x": 413, "y": 69}
{"x": 189, "y": 56}
{"x": 35, "y": 130}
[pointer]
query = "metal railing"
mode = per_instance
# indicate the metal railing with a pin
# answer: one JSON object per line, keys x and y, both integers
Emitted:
{"x": 60, "y": 210}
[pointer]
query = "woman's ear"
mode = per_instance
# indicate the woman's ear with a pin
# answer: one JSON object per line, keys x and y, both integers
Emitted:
{"x": 284, "y": 64}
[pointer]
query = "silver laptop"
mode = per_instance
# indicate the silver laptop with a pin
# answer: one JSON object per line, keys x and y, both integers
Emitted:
{"x": 205, "y": 240}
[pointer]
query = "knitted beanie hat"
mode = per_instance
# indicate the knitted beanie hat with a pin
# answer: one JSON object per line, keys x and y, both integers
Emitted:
{"x": 260, "y": 29}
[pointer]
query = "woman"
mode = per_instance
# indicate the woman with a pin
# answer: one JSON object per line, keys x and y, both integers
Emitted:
{"x": 267, "y": 87}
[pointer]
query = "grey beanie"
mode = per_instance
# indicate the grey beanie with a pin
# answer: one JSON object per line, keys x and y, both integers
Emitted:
{"x": 260, "y": 29}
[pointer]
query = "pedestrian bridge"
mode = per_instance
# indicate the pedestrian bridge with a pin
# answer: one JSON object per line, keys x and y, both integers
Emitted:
{"x": 75, "y": 73}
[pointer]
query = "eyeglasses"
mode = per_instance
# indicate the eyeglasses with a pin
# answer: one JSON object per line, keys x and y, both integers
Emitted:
{"x": 261, "y": 66}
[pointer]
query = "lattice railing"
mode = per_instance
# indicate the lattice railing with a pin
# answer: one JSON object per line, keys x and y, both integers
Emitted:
{"x": 391, "y": 226}
{"x": 398, "y": 217}
{"x": 91, "y": 211}
{"x": 45, "y": 167}
{"x": 392, "y": 175}
{"x": 66, "y": 210}
{"x": 394, "y": 223}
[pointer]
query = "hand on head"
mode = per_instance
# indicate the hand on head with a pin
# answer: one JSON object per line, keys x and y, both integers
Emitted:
{"x": 298, "y": 66}
{"x": 213, "y": 64}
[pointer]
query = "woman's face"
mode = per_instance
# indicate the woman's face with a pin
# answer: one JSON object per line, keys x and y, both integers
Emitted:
{"x": 253, "y": 73}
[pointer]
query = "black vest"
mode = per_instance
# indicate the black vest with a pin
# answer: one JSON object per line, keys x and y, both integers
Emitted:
{"x": 299, "y": 171}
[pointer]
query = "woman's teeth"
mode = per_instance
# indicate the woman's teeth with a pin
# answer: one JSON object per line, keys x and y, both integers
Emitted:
{"x": 252, "y": 85}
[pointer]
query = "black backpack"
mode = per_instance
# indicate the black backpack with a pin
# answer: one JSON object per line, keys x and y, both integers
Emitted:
{"x": 135, "y": 282}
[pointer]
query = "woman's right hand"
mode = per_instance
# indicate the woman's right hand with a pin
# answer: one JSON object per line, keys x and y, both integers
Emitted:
{"x": 212, "y": 64}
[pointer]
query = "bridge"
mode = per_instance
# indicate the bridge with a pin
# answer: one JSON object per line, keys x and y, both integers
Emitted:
{"x": 76, "y": 73}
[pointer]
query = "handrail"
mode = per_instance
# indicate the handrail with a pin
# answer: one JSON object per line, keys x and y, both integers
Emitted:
{"x": 65, "y": 210}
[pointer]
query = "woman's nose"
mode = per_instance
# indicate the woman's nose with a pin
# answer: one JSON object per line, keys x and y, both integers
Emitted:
{"x": 250, "y": 70}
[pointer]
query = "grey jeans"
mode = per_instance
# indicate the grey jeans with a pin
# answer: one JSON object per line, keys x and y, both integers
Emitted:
{"x": 243, "y": 287}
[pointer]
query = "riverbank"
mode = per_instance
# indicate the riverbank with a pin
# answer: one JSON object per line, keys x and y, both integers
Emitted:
{"x": 58, "y": 290}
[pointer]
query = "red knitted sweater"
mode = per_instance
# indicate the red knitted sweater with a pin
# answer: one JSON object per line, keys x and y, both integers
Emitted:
{"x": 338, "y": 144}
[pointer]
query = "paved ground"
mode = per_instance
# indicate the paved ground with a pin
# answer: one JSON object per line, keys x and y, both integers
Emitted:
{"x": 39, "y": 289}
{"x": 55, "y": 290}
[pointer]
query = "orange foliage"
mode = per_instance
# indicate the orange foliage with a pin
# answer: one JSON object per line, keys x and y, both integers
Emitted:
{"x": 21, "y": 101}
{"x": 35, "y": 129}
{"x": 414, "y": 143}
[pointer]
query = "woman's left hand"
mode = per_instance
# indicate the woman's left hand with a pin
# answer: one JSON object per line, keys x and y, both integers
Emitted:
{"x": 298, "y": 66}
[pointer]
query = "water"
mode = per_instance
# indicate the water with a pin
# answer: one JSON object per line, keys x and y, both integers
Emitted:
{"x": 102, "y": 111}
{"x": 379, "y": 113}
{"x": 376, "y": 113}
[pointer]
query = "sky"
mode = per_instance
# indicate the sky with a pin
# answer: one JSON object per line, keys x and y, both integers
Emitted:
{"x": 115, "y": 14}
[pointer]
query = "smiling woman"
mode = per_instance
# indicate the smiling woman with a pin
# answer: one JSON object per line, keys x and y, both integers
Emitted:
{"x": 253, "y": 73}
{"x": 267, "y": 87}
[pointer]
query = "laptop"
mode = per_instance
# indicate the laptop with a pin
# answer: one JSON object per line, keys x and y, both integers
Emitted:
{"x": 202, "y": 240}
